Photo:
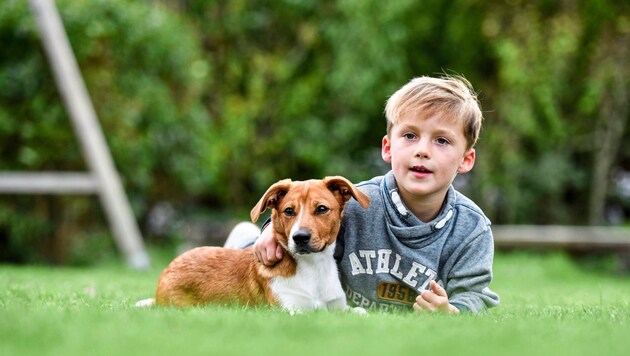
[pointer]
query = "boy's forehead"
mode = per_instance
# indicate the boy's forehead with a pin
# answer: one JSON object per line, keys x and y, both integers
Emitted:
{"x": 418, "y": 118}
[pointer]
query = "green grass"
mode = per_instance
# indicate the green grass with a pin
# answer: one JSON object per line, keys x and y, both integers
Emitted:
{"x": 551, "y": 305}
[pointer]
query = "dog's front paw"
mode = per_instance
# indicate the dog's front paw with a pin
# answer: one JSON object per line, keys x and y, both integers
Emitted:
{"x": 357, "y": 310}
{"x": 294, "y": 311}
{"x": 145, "y": 303}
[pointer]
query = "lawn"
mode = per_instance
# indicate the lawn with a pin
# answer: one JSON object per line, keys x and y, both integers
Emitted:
{"x": 551, "y": 305}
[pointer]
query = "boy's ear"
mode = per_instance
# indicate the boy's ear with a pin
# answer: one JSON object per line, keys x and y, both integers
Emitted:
{"x": 386, "y": 150}
{"x": 468, "y": 162}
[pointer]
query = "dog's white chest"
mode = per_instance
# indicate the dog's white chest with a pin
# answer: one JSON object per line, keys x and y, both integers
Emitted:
{"x": 315, "y": 285}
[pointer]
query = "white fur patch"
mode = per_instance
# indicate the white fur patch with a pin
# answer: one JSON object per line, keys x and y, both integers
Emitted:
{"x": 145, "y": 303}
{"x": 315, "y": 284}
{"x": 294, "y": 229}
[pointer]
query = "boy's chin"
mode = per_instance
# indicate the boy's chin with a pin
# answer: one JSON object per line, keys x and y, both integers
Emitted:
{"x": 422, "y": 191}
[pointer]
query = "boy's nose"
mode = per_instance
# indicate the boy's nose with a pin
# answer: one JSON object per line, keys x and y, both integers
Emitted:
{"x": 423, "y": 149}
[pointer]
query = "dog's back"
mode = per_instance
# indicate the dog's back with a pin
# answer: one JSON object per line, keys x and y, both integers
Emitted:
{"x": 212, "y": 274}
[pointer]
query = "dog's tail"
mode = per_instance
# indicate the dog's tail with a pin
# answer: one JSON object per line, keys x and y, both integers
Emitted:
{"x": 145, "y": 303}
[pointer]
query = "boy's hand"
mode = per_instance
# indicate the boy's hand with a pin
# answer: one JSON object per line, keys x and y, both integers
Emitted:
{"x": 266, "y": 249}
{"x": 434, "y": 300}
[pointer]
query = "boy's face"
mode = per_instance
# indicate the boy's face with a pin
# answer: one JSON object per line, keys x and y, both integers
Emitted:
{"x": 426, "y": 153}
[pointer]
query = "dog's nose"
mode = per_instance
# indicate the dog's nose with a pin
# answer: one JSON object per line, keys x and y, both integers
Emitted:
{"x": 301, "y": 237}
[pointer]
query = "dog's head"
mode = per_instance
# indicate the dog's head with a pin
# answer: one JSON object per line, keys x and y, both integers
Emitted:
{"x": 306, "y": 215}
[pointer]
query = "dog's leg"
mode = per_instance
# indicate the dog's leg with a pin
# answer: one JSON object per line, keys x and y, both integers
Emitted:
{"x": 145, "y": 303}
{"x": 341, "y": 304}
{"x": 357, "y": 310}
{"x": 294, "y": 311}
{"x": 337, "y": 304}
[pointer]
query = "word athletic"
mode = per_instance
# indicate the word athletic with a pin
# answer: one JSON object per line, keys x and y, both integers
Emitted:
{"x": 379, "y": 262}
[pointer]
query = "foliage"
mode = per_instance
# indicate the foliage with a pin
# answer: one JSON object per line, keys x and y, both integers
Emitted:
{"x": 206, "y": 103}
{"x": 547, "y": 140}
{"x": 145, "y": 72}
{"x": 300, "y": 87}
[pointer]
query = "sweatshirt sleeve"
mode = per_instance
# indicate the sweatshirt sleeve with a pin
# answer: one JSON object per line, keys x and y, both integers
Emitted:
{"x": 469, "y": 273}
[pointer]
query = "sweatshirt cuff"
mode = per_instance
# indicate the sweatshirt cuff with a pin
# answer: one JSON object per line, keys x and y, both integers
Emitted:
{"x": 264, "y": 225}
{"x": 461, "y": 307}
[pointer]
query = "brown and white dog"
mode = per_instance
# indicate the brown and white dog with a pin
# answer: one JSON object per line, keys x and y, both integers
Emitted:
{"x": 306, "y": 219}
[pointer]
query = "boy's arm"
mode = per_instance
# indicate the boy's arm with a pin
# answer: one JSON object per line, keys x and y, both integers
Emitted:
{"x": 266, "y": 249}
{"x": 469, "y": 273}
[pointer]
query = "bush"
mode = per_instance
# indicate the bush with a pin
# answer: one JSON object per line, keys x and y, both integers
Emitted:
{"x": 145, "y": 73}
{"x": 207, "y": 103}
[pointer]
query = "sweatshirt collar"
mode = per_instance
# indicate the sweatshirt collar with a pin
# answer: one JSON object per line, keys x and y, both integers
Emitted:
{"x": 403, "y": 222}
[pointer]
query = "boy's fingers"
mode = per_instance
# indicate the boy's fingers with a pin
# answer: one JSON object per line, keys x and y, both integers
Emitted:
{"x": 434, "y": 299}
{"x": 262, "y": 258}
{"x": 270, "y": 256}
{"x": 422, "y": 304}
{"x": 257, "y": 253}
{"x": 427, "y": 297}
{"x": 437, "y": 289}
{"x": 433, "y": 295}
{"x": 279, "y": 252}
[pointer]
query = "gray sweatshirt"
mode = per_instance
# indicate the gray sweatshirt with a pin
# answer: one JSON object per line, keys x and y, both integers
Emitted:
{"x": 387, "y": 256}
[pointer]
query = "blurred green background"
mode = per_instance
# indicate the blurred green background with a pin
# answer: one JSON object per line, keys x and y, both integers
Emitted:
{"x": 204, "y": 104}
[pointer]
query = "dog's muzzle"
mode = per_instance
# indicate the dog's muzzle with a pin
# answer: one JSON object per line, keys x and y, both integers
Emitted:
{"x": 302, "y": 239}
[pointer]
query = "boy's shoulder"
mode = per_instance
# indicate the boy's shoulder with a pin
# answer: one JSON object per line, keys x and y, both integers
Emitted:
{"x": 467, "y": 208}
{"x": 371, "y": 188}
{"x": 372, "y": 184}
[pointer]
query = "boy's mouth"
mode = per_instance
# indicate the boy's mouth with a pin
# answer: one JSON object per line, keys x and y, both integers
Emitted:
{"x": 421, "y": 169}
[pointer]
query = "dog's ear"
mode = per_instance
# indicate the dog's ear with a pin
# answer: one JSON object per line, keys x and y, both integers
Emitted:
{"x": 346, "y": 190}
{"x": 271, "y": 198}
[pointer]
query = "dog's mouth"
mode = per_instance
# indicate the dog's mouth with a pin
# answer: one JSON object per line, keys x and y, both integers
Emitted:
{"x": 306, "y": 249}
{"x": 303, "y": 249}
{"x": 304, "y": 243}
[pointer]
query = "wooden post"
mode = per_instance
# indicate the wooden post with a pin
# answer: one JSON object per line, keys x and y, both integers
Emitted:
{"x": 48, "y": 182}
{"x": 88, "y": 130}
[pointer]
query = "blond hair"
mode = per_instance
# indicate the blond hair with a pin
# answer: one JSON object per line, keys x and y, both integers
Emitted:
{"x": 451, "y": 97}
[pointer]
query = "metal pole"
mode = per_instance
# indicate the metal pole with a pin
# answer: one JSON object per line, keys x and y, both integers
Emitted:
{"x": 88, "y": 130}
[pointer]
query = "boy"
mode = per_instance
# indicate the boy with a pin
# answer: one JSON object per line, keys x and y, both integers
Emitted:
{"x": 421, "y": 243}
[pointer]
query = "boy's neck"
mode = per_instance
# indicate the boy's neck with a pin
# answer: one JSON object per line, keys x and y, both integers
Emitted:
{"x": 426, "y": 208}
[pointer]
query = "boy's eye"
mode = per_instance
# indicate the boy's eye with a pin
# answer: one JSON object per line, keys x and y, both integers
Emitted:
{"x": 442, "y": 141}
{"x": 409, "y": 136}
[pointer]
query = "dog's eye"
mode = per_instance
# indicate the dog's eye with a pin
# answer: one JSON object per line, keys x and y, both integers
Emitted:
{"x": 322, "y": 209}
{"x": 289, "y": 212}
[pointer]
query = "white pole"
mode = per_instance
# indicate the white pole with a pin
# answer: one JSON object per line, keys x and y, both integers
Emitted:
{"x": 86, "y": 125}
{"x": 48, "y": 182}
